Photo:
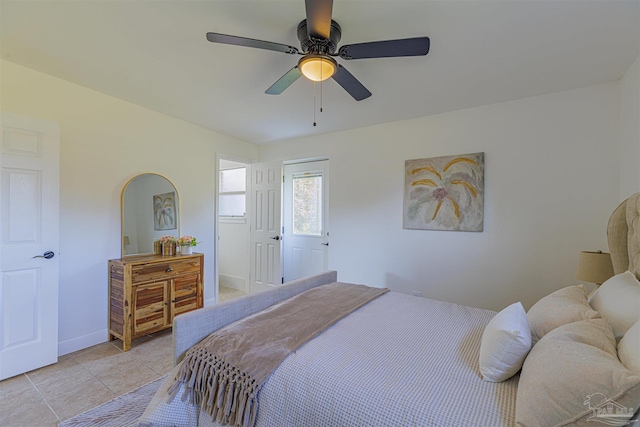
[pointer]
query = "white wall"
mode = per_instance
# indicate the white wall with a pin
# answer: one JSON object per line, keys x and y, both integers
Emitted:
{"x": 104, "y": 142}
{"x": 551, "y": 181}
{"x": 630, "y": 131}
{"x": 234, "y": 255}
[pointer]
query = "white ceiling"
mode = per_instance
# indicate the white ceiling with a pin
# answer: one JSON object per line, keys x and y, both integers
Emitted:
{"x": 155, "y": 54}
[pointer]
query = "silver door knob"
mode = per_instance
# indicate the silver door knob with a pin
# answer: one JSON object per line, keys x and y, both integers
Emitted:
{"x": 46, "y": 255}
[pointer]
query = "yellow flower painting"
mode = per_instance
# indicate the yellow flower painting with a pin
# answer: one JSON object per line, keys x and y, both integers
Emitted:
{"x": 164, "y": 211}
{"x": 444, "y": 193}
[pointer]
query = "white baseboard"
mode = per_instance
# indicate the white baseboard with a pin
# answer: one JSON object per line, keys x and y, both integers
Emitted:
{"x": 256, "y": 287}
{"x": 79, "y": 343}
{"x": 233, "y": 282}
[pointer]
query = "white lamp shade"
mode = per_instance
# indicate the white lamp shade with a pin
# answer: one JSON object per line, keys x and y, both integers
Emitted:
{"x": 317, "y": 68}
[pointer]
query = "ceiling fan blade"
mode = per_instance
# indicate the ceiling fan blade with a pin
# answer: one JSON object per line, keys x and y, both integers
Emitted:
{"x": 319, "y": 18}
{"x": 386, "y": 49}
{"x": 351, "y": 84}
{"x": 243, "y": 41}
{"x": 284, "y": 82}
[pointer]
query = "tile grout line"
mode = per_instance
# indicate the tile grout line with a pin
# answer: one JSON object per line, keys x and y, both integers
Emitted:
{"x": 122, "y": 352}
{"x": 93, "y": 375}
{"x": 42, "y": 397}
{"x": 83, "y": 367}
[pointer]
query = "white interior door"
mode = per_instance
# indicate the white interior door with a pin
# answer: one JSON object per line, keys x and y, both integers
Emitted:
{"x": 305, "y": 219}
{"x": 29, "y": 193}
{"x": 266, "y": 187}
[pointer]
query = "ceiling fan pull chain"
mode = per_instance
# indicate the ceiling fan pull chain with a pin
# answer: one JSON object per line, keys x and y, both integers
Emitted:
{"x": 314, "y": 103}
{"x": 321, "y": 79}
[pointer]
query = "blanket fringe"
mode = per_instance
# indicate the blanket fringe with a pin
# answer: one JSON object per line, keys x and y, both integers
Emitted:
{"x": 225, "y": 393}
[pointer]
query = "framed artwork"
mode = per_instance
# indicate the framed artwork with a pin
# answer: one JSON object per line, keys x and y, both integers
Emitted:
{"x": 444, "y": 193}
{"x": 164, "y": 211}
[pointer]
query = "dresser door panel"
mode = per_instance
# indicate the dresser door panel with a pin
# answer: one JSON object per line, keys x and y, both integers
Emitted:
{"x": 151, "y": 310}
{"x": 185, "y": 294}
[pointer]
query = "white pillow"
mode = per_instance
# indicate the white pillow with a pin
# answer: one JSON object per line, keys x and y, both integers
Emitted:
{"x": 569, "y": 375}
{"x": 505, "y": 343}
{"x": 618, "y": 301}
{"x": 566, "y": 305}
{"x": 629, "y": 348}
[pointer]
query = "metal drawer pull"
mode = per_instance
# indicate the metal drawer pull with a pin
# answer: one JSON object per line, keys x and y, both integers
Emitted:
{"x": 169, "y": 270}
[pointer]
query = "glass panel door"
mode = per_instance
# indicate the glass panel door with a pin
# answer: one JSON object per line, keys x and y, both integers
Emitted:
{"x": 307, "y": 205}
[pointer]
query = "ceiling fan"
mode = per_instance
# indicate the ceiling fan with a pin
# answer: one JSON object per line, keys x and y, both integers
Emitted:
{"x": 319, "y": 36}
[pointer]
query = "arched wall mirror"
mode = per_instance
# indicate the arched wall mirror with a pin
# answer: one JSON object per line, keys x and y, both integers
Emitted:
{"x": 150, "y": 210}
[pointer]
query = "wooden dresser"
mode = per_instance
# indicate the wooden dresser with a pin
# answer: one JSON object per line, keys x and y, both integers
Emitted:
{"x": 147, "y": 292}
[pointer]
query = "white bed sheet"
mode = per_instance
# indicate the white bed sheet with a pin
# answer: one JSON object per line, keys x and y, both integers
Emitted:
{"x": 398, "y": 361}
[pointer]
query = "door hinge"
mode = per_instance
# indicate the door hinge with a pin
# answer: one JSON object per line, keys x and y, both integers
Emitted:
{"x": 282, "y": 280}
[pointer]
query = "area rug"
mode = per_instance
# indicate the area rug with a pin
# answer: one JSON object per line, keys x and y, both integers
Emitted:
{"x": 123, "y": 411}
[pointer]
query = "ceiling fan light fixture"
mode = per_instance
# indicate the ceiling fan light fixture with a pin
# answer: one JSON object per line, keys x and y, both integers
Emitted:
{"x": 317, "y": 68}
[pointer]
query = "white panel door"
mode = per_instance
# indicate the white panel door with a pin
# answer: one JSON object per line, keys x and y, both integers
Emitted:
{"x": 266, "y": 187}
{"x": 305, "y": 219}
{"x": 29, "y": 197}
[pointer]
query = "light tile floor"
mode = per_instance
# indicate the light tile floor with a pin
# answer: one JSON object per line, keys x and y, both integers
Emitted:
{"x": 83, "y": 380}
{"x": 86, "y": 378}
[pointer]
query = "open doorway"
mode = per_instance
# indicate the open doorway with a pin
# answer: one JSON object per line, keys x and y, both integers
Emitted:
{"x": 233, "y": 229}
{"x": 272, "y": 224}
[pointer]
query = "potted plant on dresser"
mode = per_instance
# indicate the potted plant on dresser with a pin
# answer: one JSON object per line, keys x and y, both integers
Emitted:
{"x": 186, "y": 244}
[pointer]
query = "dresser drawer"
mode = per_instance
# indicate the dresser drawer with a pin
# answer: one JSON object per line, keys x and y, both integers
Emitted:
{"x": 163, "y": 270}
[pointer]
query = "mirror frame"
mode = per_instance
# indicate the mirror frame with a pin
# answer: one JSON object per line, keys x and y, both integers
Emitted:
{"x": 124, "y": 190}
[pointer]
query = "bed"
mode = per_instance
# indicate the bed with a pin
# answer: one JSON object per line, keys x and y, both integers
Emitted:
{"x": 401, "y": 360}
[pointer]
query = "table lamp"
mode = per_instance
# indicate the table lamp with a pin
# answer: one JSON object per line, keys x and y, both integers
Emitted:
{"x": 594, "y": 267}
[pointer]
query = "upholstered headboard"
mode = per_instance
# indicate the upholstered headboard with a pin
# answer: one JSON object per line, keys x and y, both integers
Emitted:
{"x": 623, "y": 234}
